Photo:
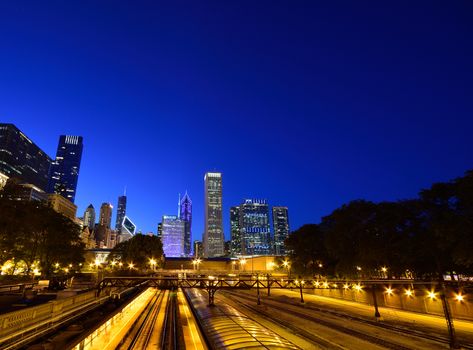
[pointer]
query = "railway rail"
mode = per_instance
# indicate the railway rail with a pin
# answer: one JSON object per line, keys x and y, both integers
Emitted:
{"x": 157, "y": 326}
{"x": 326, "y": 317}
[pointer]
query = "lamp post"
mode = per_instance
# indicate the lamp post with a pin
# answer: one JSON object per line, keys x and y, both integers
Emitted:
{"x": 152, "y": 262}
{"x": 196, "y": 262}
{"x": 257, "y": 289}
{"x": 243, "y": 263}
{"x": 287, "y": 265}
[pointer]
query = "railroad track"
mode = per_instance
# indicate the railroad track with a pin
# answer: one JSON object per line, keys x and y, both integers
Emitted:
{"x": 307, "y": 313}
{"x": 170, "y": 338}
{"x": 139, "y": 337}
{"x": 398, "y": 329}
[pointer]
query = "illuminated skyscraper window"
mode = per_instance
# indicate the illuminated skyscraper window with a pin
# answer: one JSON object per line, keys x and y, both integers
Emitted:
{"x": 255, "y": 227}
{"x": 121, "y": 212}
{"x": 20, "y": 157}
{"x": 173, "y": 236}
{"x": 213, "y": 234}
{"x": 64, "y": 171}
{"x": 281, "y": 229}
{"x": 235, "y": 231}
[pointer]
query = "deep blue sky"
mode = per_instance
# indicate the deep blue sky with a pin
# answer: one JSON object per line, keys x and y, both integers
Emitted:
{"x": 308, "y": 104}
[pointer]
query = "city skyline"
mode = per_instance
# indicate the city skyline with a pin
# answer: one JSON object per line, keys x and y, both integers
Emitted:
{"x": 305, "y": 112}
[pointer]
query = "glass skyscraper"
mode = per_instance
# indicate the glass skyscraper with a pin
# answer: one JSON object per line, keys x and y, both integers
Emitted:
{"x": 185, "y": 214}
{"x": 64, "y": 171}
{"x": 255, "y": 227}
{"x": 20, "y": 157}
{"x": 173, "y": 236}
{"x": 235, "y": 231}
{"x": 213, "y": 235}
{"x": 121, "y": 213}
{"x": 281, "y": 229}
{"x": 128, "y": 230}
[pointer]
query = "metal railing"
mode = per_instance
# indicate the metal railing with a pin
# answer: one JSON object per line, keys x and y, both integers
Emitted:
{"x": 18, "y": 325}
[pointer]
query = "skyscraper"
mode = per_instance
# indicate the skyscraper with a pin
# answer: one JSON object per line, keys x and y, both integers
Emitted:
{"x": 89, "y": 217}
{"x": 185, "y": 214}
{"x": 128, "y": 230}
{"x": 173, "y": 236}
{"x": 213, "y": 234}
{"x": 235, "y": 231}
{"x": 121, "y": 213}
{"x": 103, "y": 229}
{"x": 255, "y": 227}
{"x": 281, "y": 229}
{"x": 21, "y": 158}
{"x": 106, "y": 215}
{"x": 64, "y": 171}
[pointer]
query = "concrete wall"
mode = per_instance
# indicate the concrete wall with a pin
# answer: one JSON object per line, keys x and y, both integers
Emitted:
{"x": 420, "y": 302}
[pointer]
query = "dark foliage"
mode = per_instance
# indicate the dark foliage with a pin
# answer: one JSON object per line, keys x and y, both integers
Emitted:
{"x": 426, "y": 236}
{"x": 31, "y": 232}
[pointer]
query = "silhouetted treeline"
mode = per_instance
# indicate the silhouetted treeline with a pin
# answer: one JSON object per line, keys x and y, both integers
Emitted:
{"x": 35, "y": 238}
{"x": 424, "y": 237}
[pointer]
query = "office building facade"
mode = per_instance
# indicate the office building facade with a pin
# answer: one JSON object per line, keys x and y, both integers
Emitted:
{"x": 173, "y": 236}
{"x": 128, "y": 230}
{"x": 235, "y": 249}
{"x": 89, "y": 217}
{"x": 213, "y": 235}
{"x": 21, "y": 158}
{"x": 62, "y": 205}
{"x": 103, "y": 227}
{"x": 255, "y": 227}
{"x": 121, "y": 213}
{"x": 64, "y": 171}
{"x": 185, "y": 214}
{"x": 281, "y": 229}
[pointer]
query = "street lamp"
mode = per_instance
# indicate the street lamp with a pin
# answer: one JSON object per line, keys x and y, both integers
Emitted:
{"x": 242, "y": 263}
{"x": 196, "y": 262}
{"x": 287, "y": 265}
{"x": 152, "y": 262}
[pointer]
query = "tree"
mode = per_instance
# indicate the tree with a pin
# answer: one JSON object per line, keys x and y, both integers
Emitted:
{"x": 138, "y": 250}
{"x": 31, "y": 232}
{"x": 309, "y": 255}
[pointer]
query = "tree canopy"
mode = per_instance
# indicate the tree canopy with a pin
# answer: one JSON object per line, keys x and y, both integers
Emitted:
{"x": 426, "y": 236}
{"x": 34, "y": 236}
{"x": 138, "y": 250}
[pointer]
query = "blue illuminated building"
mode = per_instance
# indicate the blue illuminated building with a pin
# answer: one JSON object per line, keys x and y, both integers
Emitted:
{"x": 172, "y": 236}
{"x": 255, "y": 227}
{"x": 64, "y": 171}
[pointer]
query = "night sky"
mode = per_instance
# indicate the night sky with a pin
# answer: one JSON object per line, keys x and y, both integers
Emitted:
{"x": 307, "y": 104}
